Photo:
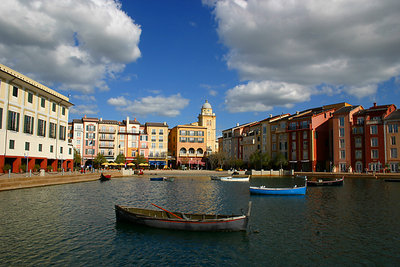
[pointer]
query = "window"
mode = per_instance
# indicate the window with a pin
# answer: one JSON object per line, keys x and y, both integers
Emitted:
{"x": 182, "y": 139}
{"x": 51, "y": 148}
{"x": 393, "y": 128}
{"x": 305, "y": 135}
{"x": 90, "y": 128}
{"x": 40, "y": 148}
{"x": 201, "y": 140}
{"x": 191, "y": 133}
{"x": 305, "y": 144}
{"x": 61, "y": 150}
{"x": 201, "y": 133}
{"x": 293, "y": 136}
{"x": 133, "y": 153}
{"x": 341, "y": 143}
{"x": 293, "y": 146}
{"x": 153, "y": 138}
{"x": 374, "y": 153}
{"x": 30, "y": 97}
{"x": 1, "y": 118}
{"x": 13, "y": 121}
{"x": 360, "y": 121}
{"x": 12, "y": 144}
{"x": 305, "y": 154}
{"x": 161, "y": 132}
{"x": 26, "y": 146}
{"x": 62, "y": 132}
{"x": 341, "y": 132}
{"x": 28, "y": 124}
{"x": 161, "y": 138}
{"x": 54, "y": 107}
{"x": 153, "y": 145}
{"x": 42, "y": 102}
{"x": 63, "y": 111}
{"x": 374, "y": 142}
{"x": 41, "y": 131}
{"x": 15, "y": 91}
{"x": 182, "y": 132}
{"x": 343, "y": 154}
{"x": 52, "y": 130}
{"x": 374, "y": 129}
{"x": 341, "y": 121}
{"x": 393, "y": 140}
{"x": 358, "y": 154}
{"x": 393, "y": 153}
{"x": 153, "y": 131}
{"x": 160, "y": 145}
{"x": 358, "y": 142}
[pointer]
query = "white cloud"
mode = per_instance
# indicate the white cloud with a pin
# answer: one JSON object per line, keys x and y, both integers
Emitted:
{"x": 263, "y": 96}
{"x": 85, "y": 98}
{"x": 213, "y": 92}
{"x": 352, "y": 45}
{"x": 74, "y": 44}
{"x": 84, "y": 110}
{"x": 152, "y": 105}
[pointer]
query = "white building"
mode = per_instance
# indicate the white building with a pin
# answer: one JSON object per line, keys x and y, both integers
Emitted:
{"x": 33, "y": 124}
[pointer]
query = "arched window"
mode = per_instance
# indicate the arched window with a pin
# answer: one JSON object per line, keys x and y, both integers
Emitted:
{"x": 182, "y": 151}
{"x": 191, "y": 151}
{"x": 200, "y": 151}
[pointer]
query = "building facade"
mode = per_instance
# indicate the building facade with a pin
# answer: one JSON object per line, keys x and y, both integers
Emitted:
{"x": 392, "y": 141}
{"x": 33, "y": 124}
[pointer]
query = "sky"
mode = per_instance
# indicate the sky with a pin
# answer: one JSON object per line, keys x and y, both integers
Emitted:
{"x": 159, "y": 61}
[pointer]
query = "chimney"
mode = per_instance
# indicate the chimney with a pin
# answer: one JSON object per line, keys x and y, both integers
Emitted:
{"x": 374, "y": 104}
{"x": 84, "y": 116}
{"x": 270, "y": 115}
{"x": 101, "y": 119}
{"x": 297, "y": 112}
{"x": 127, "y": 120}
{"x": 237, "y": 124}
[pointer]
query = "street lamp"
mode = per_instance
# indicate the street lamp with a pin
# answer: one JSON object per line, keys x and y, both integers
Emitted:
{"x": 27, "y": 158}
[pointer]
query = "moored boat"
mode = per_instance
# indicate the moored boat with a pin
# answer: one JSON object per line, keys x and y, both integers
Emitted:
{"x": 182, "y": 221}
{"x": 262, "y": 190}
{"x": 321, "y": 182}
{"x": 104, "y": 177}
{"x": 157, "y": 178}
{"x": 236, "y": 178}
{"x": 392, "y": 180}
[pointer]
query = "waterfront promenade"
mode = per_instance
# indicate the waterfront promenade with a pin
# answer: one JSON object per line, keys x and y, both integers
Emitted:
{"x": 20, "y": 180}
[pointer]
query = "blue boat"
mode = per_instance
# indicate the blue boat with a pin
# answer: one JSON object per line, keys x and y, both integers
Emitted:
{"x": 157, "y": 179}
{"x": 262, "y": 190}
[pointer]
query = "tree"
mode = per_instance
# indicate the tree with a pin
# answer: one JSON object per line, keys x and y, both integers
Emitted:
{"x": 77, "y": 158}
{"x": 140, "y": 159}
{"x": 100, "y": 159}
{"x": 259, "y": 160}
{"x": 280, "y": 161}
{"x": 120, "y": 159}
{"x": 216, "y": 160}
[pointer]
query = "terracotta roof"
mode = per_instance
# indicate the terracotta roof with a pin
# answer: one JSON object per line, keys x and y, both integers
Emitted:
{"x": 394, "y": 116}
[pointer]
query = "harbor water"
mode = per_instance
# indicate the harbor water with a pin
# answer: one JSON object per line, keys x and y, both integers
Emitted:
{"x": 356, "y": 224}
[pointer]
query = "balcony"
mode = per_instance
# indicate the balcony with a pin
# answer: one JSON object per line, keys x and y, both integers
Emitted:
{"x": 106, "y": 145}
{"x": 123, "y": 131}
{"x": 106, "y": 138}
{"x": 110, "y": 131}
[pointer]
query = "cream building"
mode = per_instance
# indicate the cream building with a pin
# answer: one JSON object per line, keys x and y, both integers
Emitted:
{"x": 33, "y": 124}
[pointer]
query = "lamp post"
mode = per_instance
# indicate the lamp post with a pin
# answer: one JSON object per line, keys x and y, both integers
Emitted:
{"x": 27, "y": 158}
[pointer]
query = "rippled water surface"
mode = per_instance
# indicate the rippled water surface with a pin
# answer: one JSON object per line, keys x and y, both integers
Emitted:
{"x": 357, "y": 224}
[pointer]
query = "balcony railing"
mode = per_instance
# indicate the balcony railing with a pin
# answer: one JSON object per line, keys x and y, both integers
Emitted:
{"x": 106, "y": 130}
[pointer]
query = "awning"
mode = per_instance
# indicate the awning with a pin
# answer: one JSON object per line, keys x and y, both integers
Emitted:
{"x": 157, "y": 162}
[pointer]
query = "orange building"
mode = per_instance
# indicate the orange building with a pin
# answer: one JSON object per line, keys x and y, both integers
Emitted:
{"x": 342, "y": 123}
{"x": 392, "y": 140}
{"x": 187, "y": 145}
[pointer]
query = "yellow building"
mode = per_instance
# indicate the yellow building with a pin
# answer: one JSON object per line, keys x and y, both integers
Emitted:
{"x": 208, "y": 119}
{"x": 158, "y": 143}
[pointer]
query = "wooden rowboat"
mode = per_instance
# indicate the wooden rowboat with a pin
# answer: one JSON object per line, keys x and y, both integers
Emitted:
{"x": 182, "y": 221}
{"x": 262, "y": 190}
{"x": 321, "y": 182}
{"x": 104, "y": 177}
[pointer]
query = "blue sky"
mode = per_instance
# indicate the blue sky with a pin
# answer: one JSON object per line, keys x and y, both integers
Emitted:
{"x": 158, "y": 60}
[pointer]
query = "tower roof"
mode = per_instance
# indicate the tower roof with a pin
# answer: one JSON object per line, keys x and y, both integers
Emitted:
{"x": 206, "y": 105}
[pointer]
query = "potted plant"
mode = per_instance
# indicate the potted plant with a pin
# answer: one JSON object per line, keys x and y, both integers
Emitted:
{"x": 36, "y": 168}
{"x": 6, "y": 168}
{"x": 49, "y": 168}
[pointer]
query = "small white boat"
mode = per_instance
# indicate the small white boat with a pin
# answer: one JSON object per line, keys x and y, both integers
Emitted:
{"x": 235, "y": 179}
